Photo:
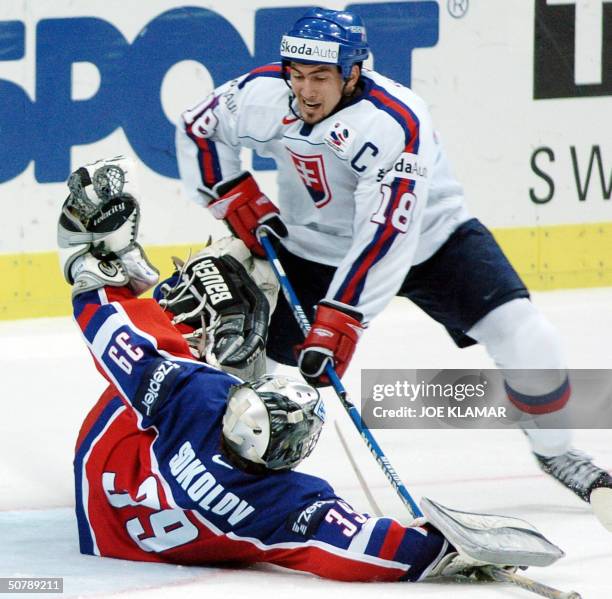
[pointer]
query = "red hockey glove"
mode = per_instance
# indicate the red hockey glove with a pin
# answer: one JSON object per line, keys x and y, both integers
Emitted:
{"x": 245, "y": 208}
{"x": 333, "y": 337}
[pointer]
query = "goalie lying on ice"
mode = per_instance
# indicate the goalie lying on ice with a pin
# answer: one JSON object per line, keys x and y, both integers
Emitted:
{"x": 180, "y": 461}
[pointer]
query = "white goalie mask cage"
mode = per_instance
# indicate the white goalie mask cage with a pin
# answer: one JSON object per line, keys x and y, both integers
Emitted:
{"x": 274, "y": 421}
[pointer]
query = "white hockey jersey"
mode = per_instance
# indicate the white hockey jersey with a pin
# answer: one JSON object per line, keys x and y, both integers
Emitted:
{"x": 367, "y": 190}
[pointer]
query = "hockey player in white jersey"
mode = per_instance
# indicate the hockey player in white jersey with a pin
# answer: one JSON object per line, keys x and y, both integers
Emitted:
{"x": 368, "y": 209}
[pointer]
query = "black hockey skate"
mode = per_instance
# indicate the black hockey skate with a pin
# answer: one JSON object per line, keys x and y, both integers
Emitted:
{"x": 576, "y": 471}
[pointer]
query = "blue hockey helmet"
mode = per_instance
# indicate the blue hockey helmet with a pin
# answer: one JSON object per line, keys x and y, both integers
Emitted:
{"x": 325, "y": 36}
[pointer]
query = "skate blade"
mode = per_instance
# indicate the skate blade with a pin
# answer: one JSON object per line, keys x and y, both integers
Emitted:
{"x": 601, "y": 502}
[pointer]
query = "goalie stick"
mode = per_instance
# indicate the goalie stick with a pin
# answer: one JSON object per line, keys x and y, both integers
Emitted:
{"x": 497, "y": 574}
{"x": 362, "y": 481}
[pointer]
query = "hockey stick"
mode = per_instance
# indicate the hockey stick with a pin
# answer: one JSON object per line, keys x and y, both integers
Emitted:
{"x": 497, "y": 574}
{"x": 528, "y": 584}
{"x": 355, "y": 416}
{"x": 362, "y": 481}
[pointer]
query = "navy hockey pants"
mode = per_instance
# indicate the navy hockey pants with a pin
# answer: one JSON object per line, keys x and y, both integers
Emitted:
{"x": 461, "y": 283}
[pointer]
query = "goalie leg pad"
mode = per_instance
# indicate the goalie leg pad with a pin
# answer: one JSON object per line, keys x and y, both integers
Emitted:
{"x": 110, "y": 230}
{"x": 483, "y": 539}
{"x": 141, "y": 273}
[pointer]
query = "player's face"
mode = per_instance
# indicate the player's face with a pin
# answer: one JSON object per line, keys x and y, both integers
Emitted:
{"x": 318, "y": 89}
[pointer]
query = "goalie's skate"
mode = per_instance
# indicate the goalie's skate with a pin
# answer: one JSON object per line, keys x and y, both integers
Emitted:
{"x": 579, "y": 474}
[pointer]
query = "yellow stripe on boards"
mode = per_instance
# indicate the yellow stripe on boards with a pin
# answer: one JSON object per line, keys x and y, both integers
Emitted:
{"x": 554, "y": 257}
{"x": 560, "y": 256}
{"x": 33, "y": 285}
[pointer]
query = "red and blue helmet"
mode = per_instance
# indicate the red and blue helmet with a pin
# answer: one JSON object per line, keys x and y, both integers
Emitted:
{"x": 325, "y": 36}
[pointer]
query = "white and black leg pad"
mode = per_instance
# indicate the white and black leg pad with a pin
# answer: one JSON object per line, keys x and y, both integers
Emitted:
{"x": 483, "y": 539}
{"x": 98, "y": 227}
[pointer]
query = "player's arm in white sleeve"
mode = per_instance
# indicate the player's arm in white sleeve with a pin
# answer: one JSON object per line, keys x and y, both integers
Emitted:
{"x": 208, "y": 154}
{"x": 387, "y": 224}
{"x": 207, "y": 147}
{"x": 389, "y": 203}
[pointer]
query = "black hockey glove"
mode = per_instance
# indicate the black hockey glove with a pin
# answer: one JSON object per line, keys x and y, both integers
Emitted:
{"x": 221, "y": 302}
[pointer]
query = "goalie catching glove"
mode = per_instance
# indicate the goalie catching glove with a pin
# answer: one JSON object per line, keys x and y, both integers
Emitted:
{"x": 221, "y": 311}
{"x": 245, "y": 208}
{"x": 97, "y": 231}
{"x": 331, "y": 340}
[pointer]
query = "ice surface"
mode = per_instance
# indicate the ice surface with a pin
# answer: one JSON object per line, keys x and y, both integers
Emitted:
{"x": 49, "y": 383}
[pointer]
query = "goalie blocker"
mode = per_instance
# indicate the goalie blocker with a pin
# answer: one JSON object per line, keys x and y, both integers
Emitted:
{"x": 221, "y": 301}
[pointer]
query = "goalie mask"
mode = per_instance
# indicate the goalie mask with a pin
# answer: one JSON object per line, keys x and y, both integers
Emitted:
{"x": 273, "y": 422}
